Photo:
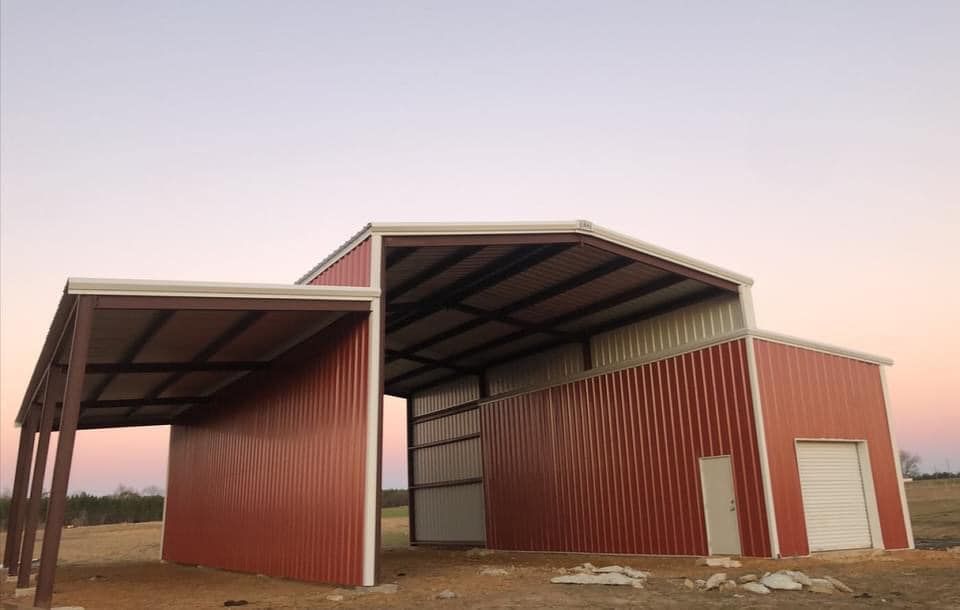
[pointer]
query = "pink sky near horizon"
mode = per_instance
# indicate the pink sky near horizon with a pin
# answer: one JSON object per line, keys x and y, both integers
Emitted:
{"x": 813, "y": 149}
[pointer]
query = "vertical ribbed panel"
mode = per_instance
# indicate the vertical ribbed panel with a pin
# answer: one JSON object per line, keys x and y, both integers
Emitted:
{"x": 456, "y": 392}
{"x": 546, "y": 366}
{"x": 808, "y": 394}
{"x": 270, "y": 479}
{"x": 448, "y": 462}
{"x": 351, "y": 269}
{"x": 668, "y": 331}
{"x": 609, "y": 464}
{"x": 450, "y": 514}
{"x": 459, "y": 424}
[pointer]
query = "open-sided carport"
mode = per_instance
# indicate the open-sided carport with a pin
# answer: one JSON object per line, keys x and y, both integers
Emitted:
{"x": 136, "y": 353}
{"x": 570, "y": 389}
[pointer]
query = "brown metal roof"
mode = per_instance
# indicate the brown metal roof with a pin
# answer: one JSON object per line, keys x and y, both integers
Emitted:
{"x": 159, "y": 349}
{"x": 458, "y": 304}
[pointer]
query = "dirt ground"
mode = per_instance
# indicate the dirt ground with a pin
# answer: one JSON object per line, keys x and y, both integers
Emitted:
{"x": 116, "y": 566}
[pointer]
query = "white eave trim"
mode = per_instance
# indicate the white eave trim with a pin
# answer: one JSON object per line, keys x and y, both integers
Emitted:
{"x": 159, "y": 288}
{"x": 820, "y": 347}
{"x": 583, "y": 227}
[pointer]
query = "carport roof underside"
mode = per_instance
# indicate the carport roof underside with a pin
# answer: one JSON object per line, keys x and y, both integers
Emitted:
{"x": 462, "y": 298}
{"x": 158, "y": 350}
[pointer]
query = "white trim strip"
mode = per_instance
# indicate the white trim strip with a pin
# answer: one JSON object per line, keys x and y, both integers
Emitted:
{"x": 126, "y": 287}
{"x": 583, "y": 227}
{"x": 764, "y": 458}
{"x": 372, "y": 455}
{"x": 904, "y": 506}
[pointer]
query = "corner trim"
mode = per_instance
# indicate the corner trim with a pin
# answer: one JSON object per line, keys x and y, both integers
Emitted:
{"x": 764, "y": 458}
{"x": 904, "y": 507}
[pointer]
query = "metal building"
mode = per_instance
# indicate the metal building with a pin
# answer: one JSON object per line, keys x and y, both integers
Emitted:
{"x": 570, "y": 389}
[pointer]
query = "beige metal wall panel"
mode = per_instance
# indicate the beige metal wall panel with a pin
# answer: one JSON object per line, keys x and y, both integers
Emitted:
{"x": 451, "y": 462}
{"x": 556, "y": 363}
{"x": 450, "y": 514}
{"x": 668, "y": 331}
{"x": 456, "y": 392}
{"x": 445, "y": 428}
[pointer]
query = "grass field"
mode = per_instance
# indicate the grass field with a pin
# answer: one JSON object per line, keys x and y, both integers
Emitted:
{"x": 935, "y": 509}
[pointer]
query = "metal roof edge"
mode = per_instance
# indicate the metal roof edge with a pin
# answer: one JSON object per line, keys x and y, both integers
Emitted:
{"x": 61, "y": 316}
{"x": 768, "y": 335}
{"x": 132, "y": 287}
{"x": 564, "y": 226}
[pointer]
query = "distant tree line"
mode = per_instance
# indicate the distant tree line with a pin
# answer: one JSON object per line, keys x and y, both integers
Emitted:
{"x": 910, "y": 467}
{"x": 393, "y": 497}
{"x": 125, "y": 505}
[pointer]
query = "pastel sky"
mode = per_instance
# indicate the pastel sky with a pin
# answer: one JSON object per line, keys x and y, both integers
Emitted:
{"x": 812, "y": 146}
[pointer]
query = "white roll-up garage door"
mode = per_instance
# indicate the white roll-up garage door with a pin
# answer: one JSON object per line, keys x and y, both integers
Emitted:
{"x": 834, "y": 502}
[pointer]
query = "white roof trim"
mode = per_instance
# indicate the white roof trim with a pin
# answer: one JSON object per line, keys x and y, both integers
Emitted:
{"x": 505, "y": 228}
{"x": 125, "y": 287}
{"x": 767, "y": 335}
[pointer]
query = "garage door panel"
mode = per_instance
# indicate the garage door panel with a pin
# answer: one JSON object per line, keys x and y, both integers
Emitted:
{"x": 834, "y": 500}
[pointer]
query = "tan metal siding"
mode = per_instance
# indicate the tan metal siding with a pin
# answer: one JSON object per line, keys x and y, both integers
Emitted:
{"x": 270, "y": 478}
{"x": 688, "y": 325}
{"x": 456, "y": 392}
{"x": 556, "y": 363}
{"x": 450, "y": 514}
{"x": 444, "y": 428}
{"x": 449, "y": 462}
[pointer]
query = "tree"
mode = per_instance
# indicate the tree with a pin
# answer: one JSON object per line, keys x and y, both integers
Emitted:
{"x": 909, "y": 464}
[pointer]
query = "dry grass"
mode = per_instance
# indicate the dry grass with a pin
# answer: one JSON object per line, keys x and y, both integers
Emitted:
{"x": 935, "y": 508}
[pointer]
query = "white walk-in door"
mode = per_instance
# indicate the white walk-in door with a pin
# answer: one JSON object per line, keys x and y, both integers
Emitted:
{"x": 720, "y": 505}
{"x": 834, "y": 502}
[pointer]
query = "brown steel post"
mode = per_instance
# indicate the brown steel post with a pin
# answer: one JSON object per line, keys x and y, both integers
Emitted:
{"x": 53, "y": 390}
{"x": 70, "y": 415}
{"x": 18, "y": 502}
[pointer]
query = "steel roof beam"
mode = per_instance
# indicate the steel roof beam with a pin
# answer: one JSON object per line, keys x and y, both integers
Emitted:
{"x": 502, "y": 314}
{"x": 487, "y": 276}
{"x": 433, "y": 362}
{"x": 542, "y": 328}
{"x": 433, "y": 270}
{"x": 158, "y": 321}
{"x": 693, "y": 299}
{"x": 235, "y": 330}
{"x": 118, "y": 368}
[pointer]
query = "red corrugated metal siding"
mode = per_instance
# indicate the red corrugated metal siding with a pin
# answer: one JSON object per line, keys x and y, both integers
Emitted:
{"x": 809, "y": 394}
{"x": 272, "y": 480}
{"x": 610, "y": 464}
{"x": 351, "y": 269}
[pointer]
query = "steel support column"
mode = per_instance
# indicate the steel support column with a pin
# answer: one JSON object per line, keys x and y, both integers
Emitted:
{"x": 18, "y": 501}
{"x": 56, "y": 508}
{"x": 51, "y": 395}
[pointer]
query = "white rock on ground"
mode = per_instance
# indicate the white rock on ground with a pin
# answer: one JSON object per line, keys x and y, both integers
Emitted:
{"x": 718, "y": 562}
{"x": 493, "y": 572}
{"x": 728, "y": 585}
{"x": 335, "y": 598}
{"x": 748, "y": 578}
{"x": 609, "y": 569}
{"x": 700, "y": 583}
{"x": 612, "y": 578}
{"x": 780, "y": 580}
{"x": 755, "y": 587}
{"x": 584, "y": 568}
{"x": 715, "y": 581}
{"x": 636, "y": 573}
{"x": 447, "y": 594}
{"x": 800, "y": 577}
{"x": 821, "y": 585}
{"x": 688, "y": 584}
{"x": 839, "y": 585}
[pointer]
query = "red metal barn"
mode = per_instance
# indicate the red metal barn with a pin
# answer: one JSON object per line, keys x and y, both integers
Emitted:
{"x": 570, "y": 389}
